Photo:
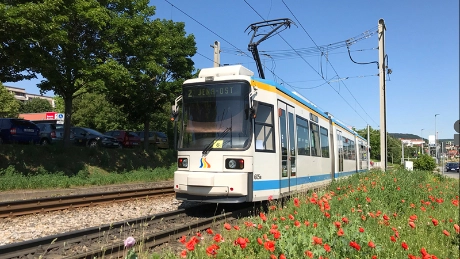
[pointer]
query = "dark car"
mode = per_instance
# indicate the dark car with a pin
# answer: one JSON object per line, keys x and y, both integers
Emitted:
{"x": 18, "y": 131}
{"x": 51, "y": 133}
{"x": 125, "y": 137}
{"x": 452, "y": 166}
{"x": 159, "y": 139}
{"x": 93, "y": 138}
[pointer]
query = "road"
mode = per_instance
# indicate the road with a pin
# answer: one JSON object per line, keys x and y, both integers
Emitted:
{"x": 450, "y": 174}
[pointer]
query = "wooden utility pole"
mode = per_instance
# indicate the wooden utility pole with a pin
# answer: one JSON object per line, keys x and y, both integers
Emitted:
{"x": 383, "y": 119}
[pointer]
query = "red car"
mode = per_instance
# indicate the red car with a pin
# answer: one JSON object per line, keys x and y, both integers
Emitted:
{"x": 126, "y": 138}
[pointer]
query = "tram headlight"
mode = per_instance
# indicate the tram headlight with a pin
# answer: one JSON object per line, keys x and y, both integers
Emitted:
{"x": 234, "y": 163}
{"x": 182, "y": 162}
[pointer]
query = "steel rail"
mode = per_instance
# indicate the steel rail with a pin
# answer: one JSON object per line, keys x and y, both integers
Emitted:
{"x": 100, "y": 242}
{"x": 25, "y": 207}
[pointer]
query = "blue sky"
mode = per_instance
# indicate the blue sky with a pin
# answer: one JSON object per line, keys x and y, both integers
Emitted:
{"x": 421, "y": 41}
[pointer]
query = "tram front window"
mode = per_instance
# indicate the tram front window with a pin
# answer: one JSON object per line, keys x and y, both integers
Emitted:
{"x": 216, "y": 115}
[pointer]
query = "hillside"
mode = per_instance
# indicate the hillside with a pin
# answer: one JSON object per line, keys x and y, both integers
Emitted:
{"x": 404, "y": 135}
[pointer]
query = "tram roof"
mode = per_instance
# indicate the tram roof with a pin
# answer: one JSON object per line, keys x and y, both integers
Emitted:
{"x": 298, "y": 97}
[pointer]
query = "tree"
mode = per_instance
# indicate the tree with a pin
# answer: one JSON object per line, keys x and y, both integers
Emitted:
{"x": 36, "y": 105}
{"x": 59, "y": 39}
{"x": 151, "y": 60}
{"x": 58, "y": 104}
{"x": 92, "y": 110}
{"x": 9, "y": 106}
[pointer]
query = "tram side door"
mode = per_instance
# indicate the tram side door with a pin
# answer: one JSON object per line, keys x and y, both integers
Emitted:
{"x": 288, "y": 150}
{"x": 340, "y": 147}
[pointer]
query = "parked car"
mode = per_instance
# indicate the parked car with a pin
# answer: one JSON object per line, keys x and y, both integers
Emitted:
{"x": 93, "y": 138}
{"x": 18, "y": 131}
{"x": 452, "y": 166}
{"x": 126, "y": 138}
{"x": 159, "y": 139}
{"x": 51, "y": 133}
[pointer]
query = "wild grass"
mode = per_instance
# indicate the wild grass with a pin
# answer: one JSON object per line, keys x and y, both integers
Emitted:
{"x": 37, "y": 167}
{"x": 398, "y": 214}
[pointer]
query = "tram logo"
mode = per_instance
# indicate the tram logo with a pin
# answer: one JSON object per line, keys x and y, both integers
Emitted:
{"x": 204, "y": 163}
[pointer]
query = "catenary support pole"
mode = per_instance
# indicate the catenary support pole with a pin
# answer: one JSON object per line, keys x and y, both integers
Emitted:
{"x": 383, "y": 122}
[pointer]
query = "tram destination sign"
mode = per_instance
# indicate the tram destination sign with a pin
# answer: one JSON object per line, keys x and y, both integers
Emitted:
{"x": 226, "y": 90}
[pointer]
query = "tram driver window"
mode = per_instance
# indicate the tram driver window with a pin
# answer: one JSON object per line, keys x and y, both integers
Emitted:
{"x": 264, "y": 128}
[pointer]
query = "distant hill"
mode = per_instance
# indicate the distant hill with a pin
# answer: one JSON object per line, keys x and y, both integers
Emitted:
{"x": 404, "y": 135}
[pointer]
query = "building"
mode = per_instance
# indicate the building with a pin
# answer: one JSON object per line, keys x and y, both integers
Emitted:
{"x": 53, "y": 117}
{"x": 412, "y": 142}
{"x": 21, "y": 95}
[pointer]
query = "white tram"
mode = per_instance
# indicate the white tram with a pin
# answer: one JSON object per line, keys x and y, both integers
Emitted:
{"x": 245, "y": 139}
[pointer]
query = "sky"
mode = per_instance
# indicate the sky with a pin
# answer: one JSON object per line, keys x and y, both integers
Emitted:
{"x": 311, "y": 56}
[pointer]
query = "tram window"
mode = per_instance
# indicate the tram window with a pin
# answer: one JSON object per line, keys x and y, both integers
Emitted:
{"x": 352, "y": 150}
{"x": 315, "y": 144}
{"x": 264, "y": 129}
{"x": 346, "y": 151}
{"x": 303, "y": 137}
{"x": 324, "y": 142}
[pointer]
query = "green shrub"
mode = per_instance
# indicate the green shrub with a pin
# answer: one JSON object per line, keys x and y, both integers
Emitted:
{"x": 425, "y": 163}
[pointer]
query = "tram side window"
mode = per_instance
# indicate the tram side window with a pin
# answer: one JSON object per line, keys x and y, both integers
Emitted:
{"x": 324, "y": 142}
{"x": 264, "y": 129}
{"x": 353, "y": 150}
{"x": 346, "y": 148}
{"x": 315, "y": 144}
{"x": 303, "y": 137}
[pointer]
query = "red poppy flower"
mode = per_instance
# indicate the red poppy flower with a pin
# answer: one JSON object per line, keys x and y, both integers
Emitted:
{"x": 291, "y": 217}
{"x": 361, "y": 229}
{"x": 340, "y": 232}
{"x": 317, "y": 240}
{"x": 435, "y": 221}
{"x": 327, "y": 215}
{"x": 368, "y": 199}
{"x": 457, "y": 228}
{"x": 337, "y": 224}
{"x": 412, "y": 224}
{"x": 296, "y": 202}
{"x": 209, "y": 231}
{"x": 241, "y": 242}
{"x": 345, "y": 220}
{"x": 385, "y": 217}
{"x": 374, "y": 257}
{"x": 297, "y": 223}
{"x": 327, "y": 247}
{"x": 212, "y": 249}
{"x": 270, "y": 246}
{"x": 227, "y": 226}
{"x": 309, "y": 254}
{"x": 404, "y": 245}
{"x": 263, "y": 217}
{"x": 259, "y": 240}
{"x": 272, "y": 256}
{"x": 307, "y": 223}
{"x": 445, "y": 232}
{"x": 183, "y": 239}
{"x": 282, "y": 256}
{"x": 190, "y": 245}
{"x": 355, "y": 245}
{"x": 283, "y": 218}
{"x": 183, "y": 254}
{"x": 371, "y": 244}
{"x": 236, "y": 227}
{"x": 218, "y": 238}
{"x": 393, "y": 239}
{"x": 315, "y": 225}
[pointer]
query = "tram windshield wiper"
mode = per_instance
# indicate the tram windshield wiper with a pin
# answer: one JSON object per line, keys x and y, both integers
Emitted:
{"x": 209, "y": 147}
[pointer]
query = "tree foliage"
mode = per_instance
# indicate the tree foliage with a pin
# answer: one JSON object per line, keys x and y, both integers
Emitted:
{"x": 9, "y": 106}
{"x": 35, "y": 105}
{"x": 151, "y": 58}
{"x": 59, "y": 39}
{"x": 92, "y": 110}
{"x": 425, "y": 163}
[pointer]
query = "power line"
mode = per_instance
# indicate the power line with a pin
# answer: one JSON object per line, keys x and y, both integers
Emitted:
{"x": 327, "y": 82}
{"x": 346, "y": 87}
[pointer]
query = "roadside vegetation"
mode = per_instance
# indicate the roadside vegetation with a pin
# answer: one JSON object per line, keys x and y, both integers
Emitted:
{"x": 399, "y": 214}
{"x": 42, "y": 167}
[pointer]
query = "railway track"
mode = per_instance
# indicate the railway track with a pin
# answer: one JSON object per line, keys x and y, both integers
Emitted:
{"x": 107, "y": 241}
{"x": 25, "y": 207}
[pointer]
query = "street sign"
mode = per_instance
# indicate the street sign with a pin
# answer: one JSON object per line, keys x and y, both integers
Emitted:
{"x": 59, "y": 116}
